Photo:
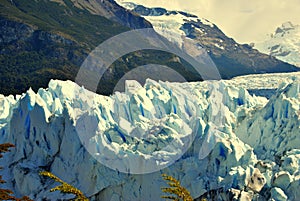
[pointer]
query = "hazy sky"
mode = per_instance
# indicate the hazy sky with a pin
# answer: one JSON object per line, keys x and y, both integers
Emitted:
{"x": 244, "y": 20}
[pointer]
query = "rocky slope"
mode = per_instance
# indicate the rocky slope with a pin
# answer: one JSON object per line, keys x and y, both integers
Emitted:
{"x": 111, "y": 10}
{"x": 231, "y": 58}
{"x": 42, "y": 39}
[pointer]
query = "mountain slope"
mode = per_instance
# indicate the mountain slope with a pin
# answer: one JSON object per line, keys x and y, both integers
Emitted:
{"x": 111, "y": 10}
{"x": 41, "y": 40}
{"x": 231, "y": 58}
{"x": 284, "y": 44}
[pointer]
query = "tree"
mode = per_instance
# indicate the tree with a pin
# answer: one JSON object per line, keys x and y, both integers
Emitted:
{"x": 65, "y": 187}
{"x": 179, "y": 193}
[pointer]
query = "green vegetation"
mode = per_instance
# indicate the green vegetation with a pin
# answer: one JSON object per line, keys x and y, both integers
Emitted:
{"x": 65, "y": 187}
{"x": 178, "y": 193}
{"x": 69, "y": 21}
{"x": 62, "y": 38}
{"x": 20, "y": 71}
{"x": 139, "y": 58}
{"x": 43, "y": 40}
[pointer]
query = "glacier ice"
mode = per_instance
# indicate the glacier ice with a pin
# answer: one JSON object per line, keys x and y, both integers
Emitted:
{"x": 211, "y": 135}
{"x": 280, "y": 117}
{"x": 170, "y": 24}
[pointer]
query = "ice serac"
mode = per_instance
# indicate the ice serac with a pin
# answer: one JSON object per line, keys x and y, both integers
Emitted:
{"x": 200, "y": 133}
{"x": 275, "y": 128}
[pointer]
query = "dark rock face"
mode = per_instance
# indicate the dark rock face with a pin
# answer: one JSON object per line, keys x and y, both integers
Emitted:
{"x": 141, "y": 10}
{"x": 18, "y": 34}
{"x": 13, "y": 31}
{"x": 31, "y": 57}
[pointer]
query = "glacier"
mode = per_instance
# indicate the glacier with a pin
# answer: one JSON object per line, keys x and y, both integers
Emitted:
{"x": 169, "y": 23}
{"x": 214, "y": 136}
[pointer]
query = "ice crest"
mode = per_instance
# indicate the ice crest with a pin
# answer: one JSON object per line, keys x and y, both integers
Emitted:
{"x": 210, "y": 135}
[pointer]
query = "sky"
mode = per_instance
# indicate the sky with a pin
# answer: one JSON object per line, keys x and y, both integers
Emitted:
{"x": 245, "y": 21}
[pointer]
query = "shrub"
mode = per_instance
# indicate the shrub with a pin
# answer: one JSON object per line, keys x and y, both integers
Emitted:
{"x": 178, "y": 193}
{"x": 65, "y": 187}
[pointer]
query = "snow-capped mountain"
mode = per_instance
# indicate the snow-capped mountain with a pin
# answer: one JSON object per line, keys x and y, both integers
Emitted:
{"x": 213, "y": 136}
{"x": 182, "y": 28}
{"x": 283, "y": 44}
{"x": 168, "y": 23}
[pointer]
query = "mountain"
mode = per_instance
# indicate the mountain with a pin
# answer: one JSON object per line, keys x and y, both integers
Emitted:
{"x": 44, "y": 39}
{"x": 283, "y": 44}
{"x": 213, "y": 136}
{"x": 230, "y": 58}
{"x": 41, "y": 40}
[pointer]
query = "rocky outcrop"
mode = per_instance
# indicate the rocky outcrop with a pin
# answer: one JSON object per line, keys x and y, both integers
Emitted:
{"x": 27, "y": 37}
{"x": 31, "y": 56}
